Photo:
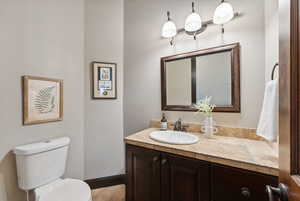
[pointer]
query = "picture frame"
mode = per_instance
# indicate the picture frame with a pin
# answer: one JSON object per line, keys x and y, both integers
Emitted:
{"x": 42, "y": 100}
{"x": 104, "y": 80}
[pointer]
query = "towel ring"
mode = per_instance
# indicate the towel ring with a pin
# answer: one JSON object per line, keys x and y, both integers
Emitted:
{"x": 273, "y": 71}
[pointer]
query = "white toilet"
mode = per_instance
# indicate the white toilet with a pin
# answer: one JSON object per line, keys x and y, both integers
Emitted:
{"x": 40, "y": 167}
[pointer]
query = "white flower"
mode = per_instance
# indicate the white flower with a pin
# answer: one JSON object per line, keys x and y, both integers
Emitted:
{"x": 204, "y": 106}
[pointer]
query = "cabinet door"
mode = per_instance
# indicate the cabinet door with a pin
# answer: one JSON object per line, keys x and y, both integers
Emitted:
{"x": 143, "y": 174}
{"x": 233, "y": 184}
{"x": 184, "y": 179}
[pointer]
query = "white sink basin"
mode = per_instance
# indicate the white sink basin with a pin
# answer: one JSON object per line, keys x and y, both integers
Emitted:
{"x": 174, "y": 137}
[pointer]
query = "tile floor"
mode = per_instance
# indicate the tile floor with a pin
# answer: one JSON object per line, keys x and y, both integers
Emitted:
{"x": 112, "y": 193}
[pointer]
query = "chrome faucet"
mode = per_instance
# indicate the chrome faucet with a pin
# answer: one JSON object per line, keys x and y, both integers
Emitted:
{"x": 178, "y": 126}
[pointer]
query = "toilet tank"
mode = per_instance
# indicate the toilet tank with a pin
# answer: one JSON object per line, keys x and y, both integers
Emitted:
{"x": 41, "y": 163}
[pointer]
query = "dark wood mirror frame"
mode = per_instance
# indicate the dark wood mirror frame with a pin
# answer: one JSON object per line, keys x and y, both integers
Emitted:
{"x": 235, "y": 78}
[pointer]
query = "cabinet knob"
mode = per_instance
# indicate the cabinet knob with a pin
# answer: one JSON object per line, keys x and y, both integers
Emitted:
{"x": 155, "y": 158}
{"x": 164, "y": 161}
{"x": 245, "y": 192}
{"x": 281, "y": 192}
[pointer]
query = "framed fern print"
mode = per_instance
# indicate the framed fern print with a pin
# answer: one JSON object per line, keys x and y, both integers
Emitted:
{"x": 42, "y": 100}
{"x": 104, "y": 80}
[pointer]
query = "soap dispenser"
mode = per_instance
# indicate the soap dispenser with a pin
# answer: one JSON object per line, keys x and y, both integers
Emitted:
{"x": 163, "y": 122}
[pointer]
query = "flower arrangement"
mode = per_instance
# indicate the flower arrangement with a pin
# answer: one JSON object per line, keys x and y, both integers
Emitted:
{"x": 203, "y": 106}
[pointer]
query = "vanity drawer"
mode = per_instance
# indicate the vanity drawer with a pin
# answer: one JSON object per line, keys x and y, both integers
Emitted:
{"x": 233, "y": 184}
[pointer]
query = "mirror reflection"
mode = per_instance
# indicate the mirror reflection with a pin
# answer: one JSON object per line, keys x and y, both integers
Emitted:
{"x": 179, "y": 82}
{"x": 213, "y": 78}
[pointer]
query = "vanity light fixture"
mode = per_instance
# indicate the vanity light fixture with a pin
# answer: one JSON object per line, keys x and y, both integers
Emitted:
{"x": 169, "y": 29}
{"x": 223, "y": 14}
{"x": 194, "y": 25}
{"x": 193, "y": 22}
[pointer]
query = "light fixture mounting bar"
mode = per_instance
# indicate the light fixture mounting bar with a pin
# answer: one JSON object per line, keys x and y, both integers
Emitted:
{"x": 205, "y": 24}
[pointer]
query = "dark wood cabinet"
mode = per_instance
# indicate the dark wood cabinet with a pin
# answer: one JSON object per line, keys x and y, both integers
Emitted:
{"x": 231, "y": 184}
{"x": 143, "y": 174}
{"x": 184, "y": 179}
{"x": 159, "y": 176}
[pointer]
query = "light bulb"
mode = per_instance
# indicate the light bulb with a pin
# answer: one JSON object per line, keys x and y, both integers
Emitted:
{"x": 193, "y": 22}
{"x": 169, "y": 29}
{"x": 223, "y": 13}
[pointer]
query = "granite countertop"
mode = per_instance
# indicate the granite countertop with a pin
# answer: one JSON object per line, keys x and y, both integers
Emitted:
{"x": 242, "y": 153}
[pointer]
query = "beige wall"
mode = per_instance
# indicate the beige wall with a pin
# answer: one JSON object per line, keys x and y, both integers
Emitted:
{"x": 104, "y": 147}
{"x": 272, "y": 36}
{"x": 40, "y": 38}
{"x": 46, "y": 38}
{"x": 144, "y": 48}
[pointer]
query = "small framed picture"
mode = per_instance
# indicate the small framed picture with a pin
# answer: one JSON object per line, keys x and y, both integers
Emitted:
{"x": 104, "y": 80}
{"x": 42, "y": 100}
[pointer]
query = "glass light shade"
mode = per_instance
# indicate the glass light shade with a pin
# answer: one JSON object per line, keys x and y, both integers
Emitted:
{"x": 193, "y": 22}
{"x": 223, "y": 13}
{"x": 169, "y": 29}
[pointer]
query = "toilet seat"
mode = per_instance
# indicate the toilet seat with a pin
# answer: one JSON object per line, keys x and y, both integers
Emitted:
{"x": 64, "y": 190}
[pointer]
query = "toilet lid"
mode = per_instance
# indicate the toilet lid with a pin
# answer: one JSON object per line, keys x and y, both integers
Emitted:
{"x": 64, "y": 190}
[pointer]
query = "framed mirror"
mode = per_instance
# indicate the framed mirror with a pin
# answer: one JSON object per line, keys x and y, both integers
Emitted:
{"x": 189, "y": 77}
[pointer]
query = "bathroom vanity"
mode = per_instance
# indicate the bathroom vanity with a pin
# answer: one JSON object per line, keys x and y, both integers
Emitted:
{"x": 217, "y": 169}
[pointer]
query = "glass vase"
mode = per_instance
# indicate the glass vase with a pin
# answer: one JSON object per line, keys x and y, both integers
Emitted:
{"x": 208, "y": 127}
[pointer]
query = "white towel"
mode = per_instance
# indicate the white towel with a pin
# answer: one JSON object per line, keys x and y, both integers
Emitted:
{"x": 268, "y": 122}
